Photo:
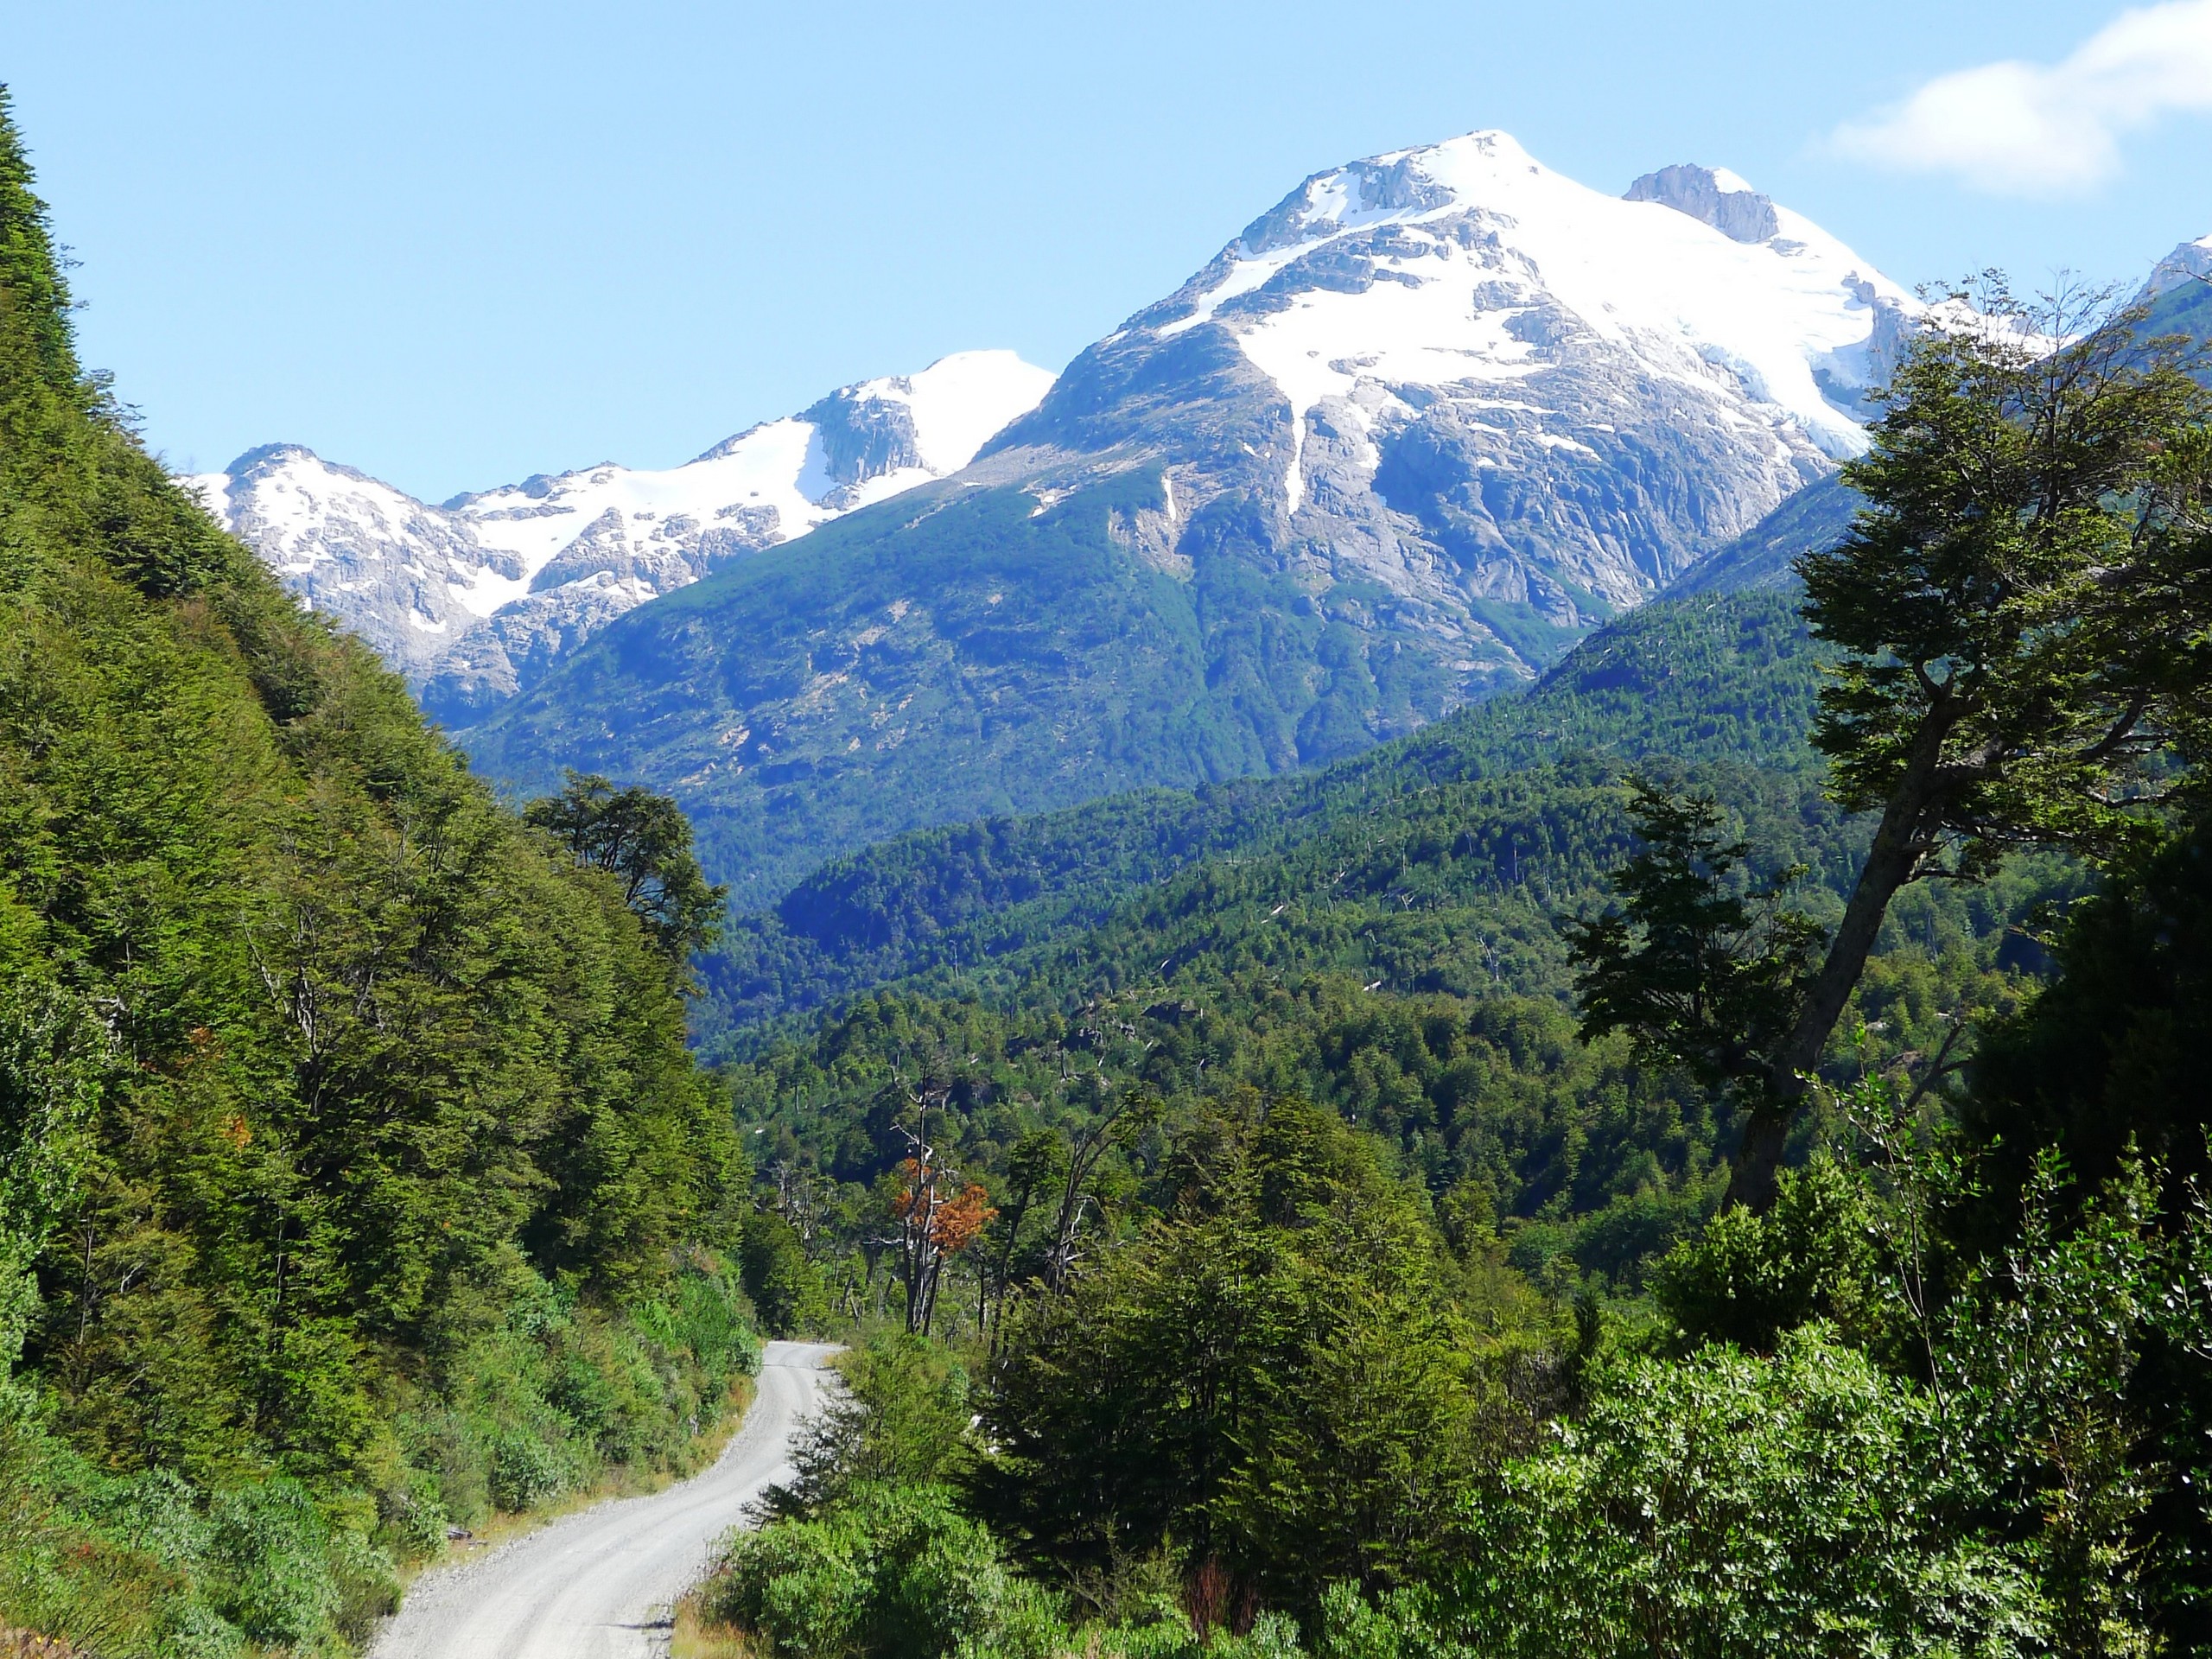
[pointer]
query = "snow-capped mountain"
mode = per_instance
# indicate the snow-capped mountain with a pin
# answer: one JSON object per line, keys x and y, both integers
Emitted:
{"x": 2189, "y": 262}
{"x": 474, "y": 599}
{"x": 1459, "y": 374}
{"x": 1417, "y": 429}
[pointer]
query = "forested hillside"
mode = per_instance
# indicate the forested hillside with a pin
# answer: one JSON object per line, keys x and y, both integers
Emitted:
{"x": 355, "y": 1180}
{"x": 1706, "y": 1158}
{"x": 1175, "y": 682}
{"x": 1724, "y": 680}
{"x": 1382, "y": 936}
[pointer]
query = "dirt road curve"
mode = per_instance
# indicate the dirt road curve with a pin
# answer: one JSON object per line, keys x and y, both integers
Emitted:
{"x": 597, "y": 1585}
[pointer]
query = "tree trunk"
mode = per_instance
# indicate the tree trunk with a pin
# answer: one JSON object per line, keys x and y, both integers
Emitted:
{"x": 1758, "y": 1159}
{"x": 1911, "y": 822}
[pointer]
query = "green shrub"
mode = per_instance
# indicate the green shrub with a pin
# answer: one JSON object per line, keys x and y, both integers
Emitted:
{"x": 1407, "y": 1623}
{"x": 901, "y": 1419}
{"x": 892, "y": 1570}
{"x": 414, "y": 1517}
{"x": 271, "y": 1548}
{"x": 1732, "y": 1505}
{"x": 141, "y": 1566}
{"x": 1747, "y": 1278}
{"x": 526, "y": 1471}
{"x": 786, "y": 1287}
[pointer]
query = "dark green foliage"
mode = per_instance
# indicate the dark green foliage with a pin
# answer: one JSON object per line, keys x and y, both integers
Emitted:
{"x": 1737, "y": 1507}
{"x": 902, "y": 1418}
{"x": 2017, "y": 599}
{"x": 1385, "y": 944}
{"x": 30, "y": 274}
{"x": 1289, "y": 1367}
{"x": 1379, "y": 937}
{"x": 643, "y": 841}
{"x": 1275, "y": 1377}
{"x": 2036, "y": 1364}
{"x": 2108, "y": 1063}
{"x": 1729, "y": 682}
{"x": 1746, "y": 1278}
{"x": 1700, "y": 972}
{"x": 784, "y": 1286}
{"x": 354, "y": 1159}
{"x": 2111, "y": 1056}
{"x": 893, "y": 1573}
{"x": 2016, "y": 614}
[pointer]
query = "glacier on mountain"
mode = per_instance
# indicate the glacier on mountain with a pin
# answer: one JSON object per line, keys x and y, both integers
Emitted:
{"x": 1447, "y": 380}
{"x": 476, "y": 599}
{"x": 1420, "y": 426}
{"x": 1469, "y": 381}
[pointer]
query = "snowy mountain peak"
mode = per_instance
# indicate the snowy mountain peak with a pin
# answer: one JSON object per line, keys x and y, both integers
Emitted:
{"x": 1470, "y": 265}
{"x": 2191, "y": 262}
{"x": 474, "y": 598}
{"x": 947, "y": 411}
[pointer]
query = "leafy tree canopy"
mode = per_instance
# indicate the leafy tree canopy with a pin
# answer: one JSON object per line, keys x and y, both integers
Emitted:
{"x": 643, "y": 841}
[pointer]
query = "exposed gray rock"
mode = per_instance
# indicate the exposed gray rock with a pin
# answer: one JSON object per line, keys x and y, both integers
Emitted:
{"x": 863, "y": 437}
{"x": 392, "y": 568}
{"x": 2187, "y": 265}
{"x": 1569, "y": 470}
{"x": 474, "y": 599}
{"x": 1421, "y": 426}
{"x": 1739, "y": 214}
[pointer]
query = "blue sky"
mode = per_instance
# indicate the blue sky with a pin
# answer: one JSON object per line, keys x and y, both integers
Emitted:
{"x": 453, "y": 243}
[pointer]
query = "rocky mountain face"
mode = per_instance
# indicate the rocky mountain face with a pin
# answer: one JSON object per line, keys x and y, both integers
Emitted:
{"x": 1421, "y": 426}
{"x": 2178, "y": 296}
{"x": 1515, "y": 404}
{"x": 2187, "y": 268}
{"x": 476, "y": 599}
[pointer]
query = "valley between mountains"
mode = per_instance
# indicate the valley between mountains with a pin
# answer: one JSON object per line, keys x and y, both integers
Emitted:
{"x": 1489, "y": 943}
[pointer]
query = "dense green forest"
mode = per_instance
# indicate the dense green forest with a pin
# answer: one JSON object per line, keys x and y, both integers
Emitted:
{"x": 356, "y": 1181}
{"x": 1702, "y": 1156}
{"x": 1725, "y": 681}
{"x": 1389, "y": 1210}
{"x": 1381, "y": 936}
{"x": 996, "y": 653}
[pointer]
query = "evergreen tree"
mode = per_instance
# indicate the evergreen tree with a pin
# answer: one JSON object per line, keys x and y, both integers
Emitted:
{"x": 2020, "y": 610}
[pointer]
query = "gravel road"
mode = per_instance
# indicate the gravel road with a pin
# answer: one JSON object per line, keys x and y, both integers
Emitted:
{"x": 597, "y": 1585}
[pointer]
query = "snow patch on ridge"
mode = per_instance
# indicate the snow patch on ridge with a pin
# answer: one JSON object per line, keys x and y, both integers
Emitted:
{"x": 2191, "y": 262}
{"x": 1489, "y": 235}
{"x": 781, "y": 465}
{"x": 558, "y": 556}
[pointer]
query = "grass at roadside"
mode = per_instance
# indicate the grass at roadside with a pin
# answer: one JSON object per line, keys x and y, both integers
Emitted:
{"x": 623, "y": 1480}
{"x": 695, "y": 1638}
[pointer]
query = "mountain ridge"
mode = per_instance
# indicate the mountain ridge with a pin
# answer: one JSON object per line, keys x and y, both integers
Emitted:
{"x": 475, "y": 597}
{"x": 969, "y": 898}
{"x": 1421, "y": 426}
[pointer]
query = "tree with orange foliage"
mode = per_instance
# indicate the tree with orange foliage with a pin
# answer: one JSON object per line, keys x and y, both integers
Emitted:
{"x": 938, "y": 1216}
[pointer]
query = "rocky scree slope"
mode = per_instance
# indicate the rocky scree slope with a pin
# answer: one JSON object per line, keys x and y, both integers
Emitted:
{"x": 476, "y": 599}
{"x": 1415, "y": 431}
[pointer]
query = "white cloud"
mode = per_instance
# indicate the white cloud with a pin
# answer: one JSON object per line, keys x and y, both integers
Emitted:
{"x": 2031, "y": 129}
